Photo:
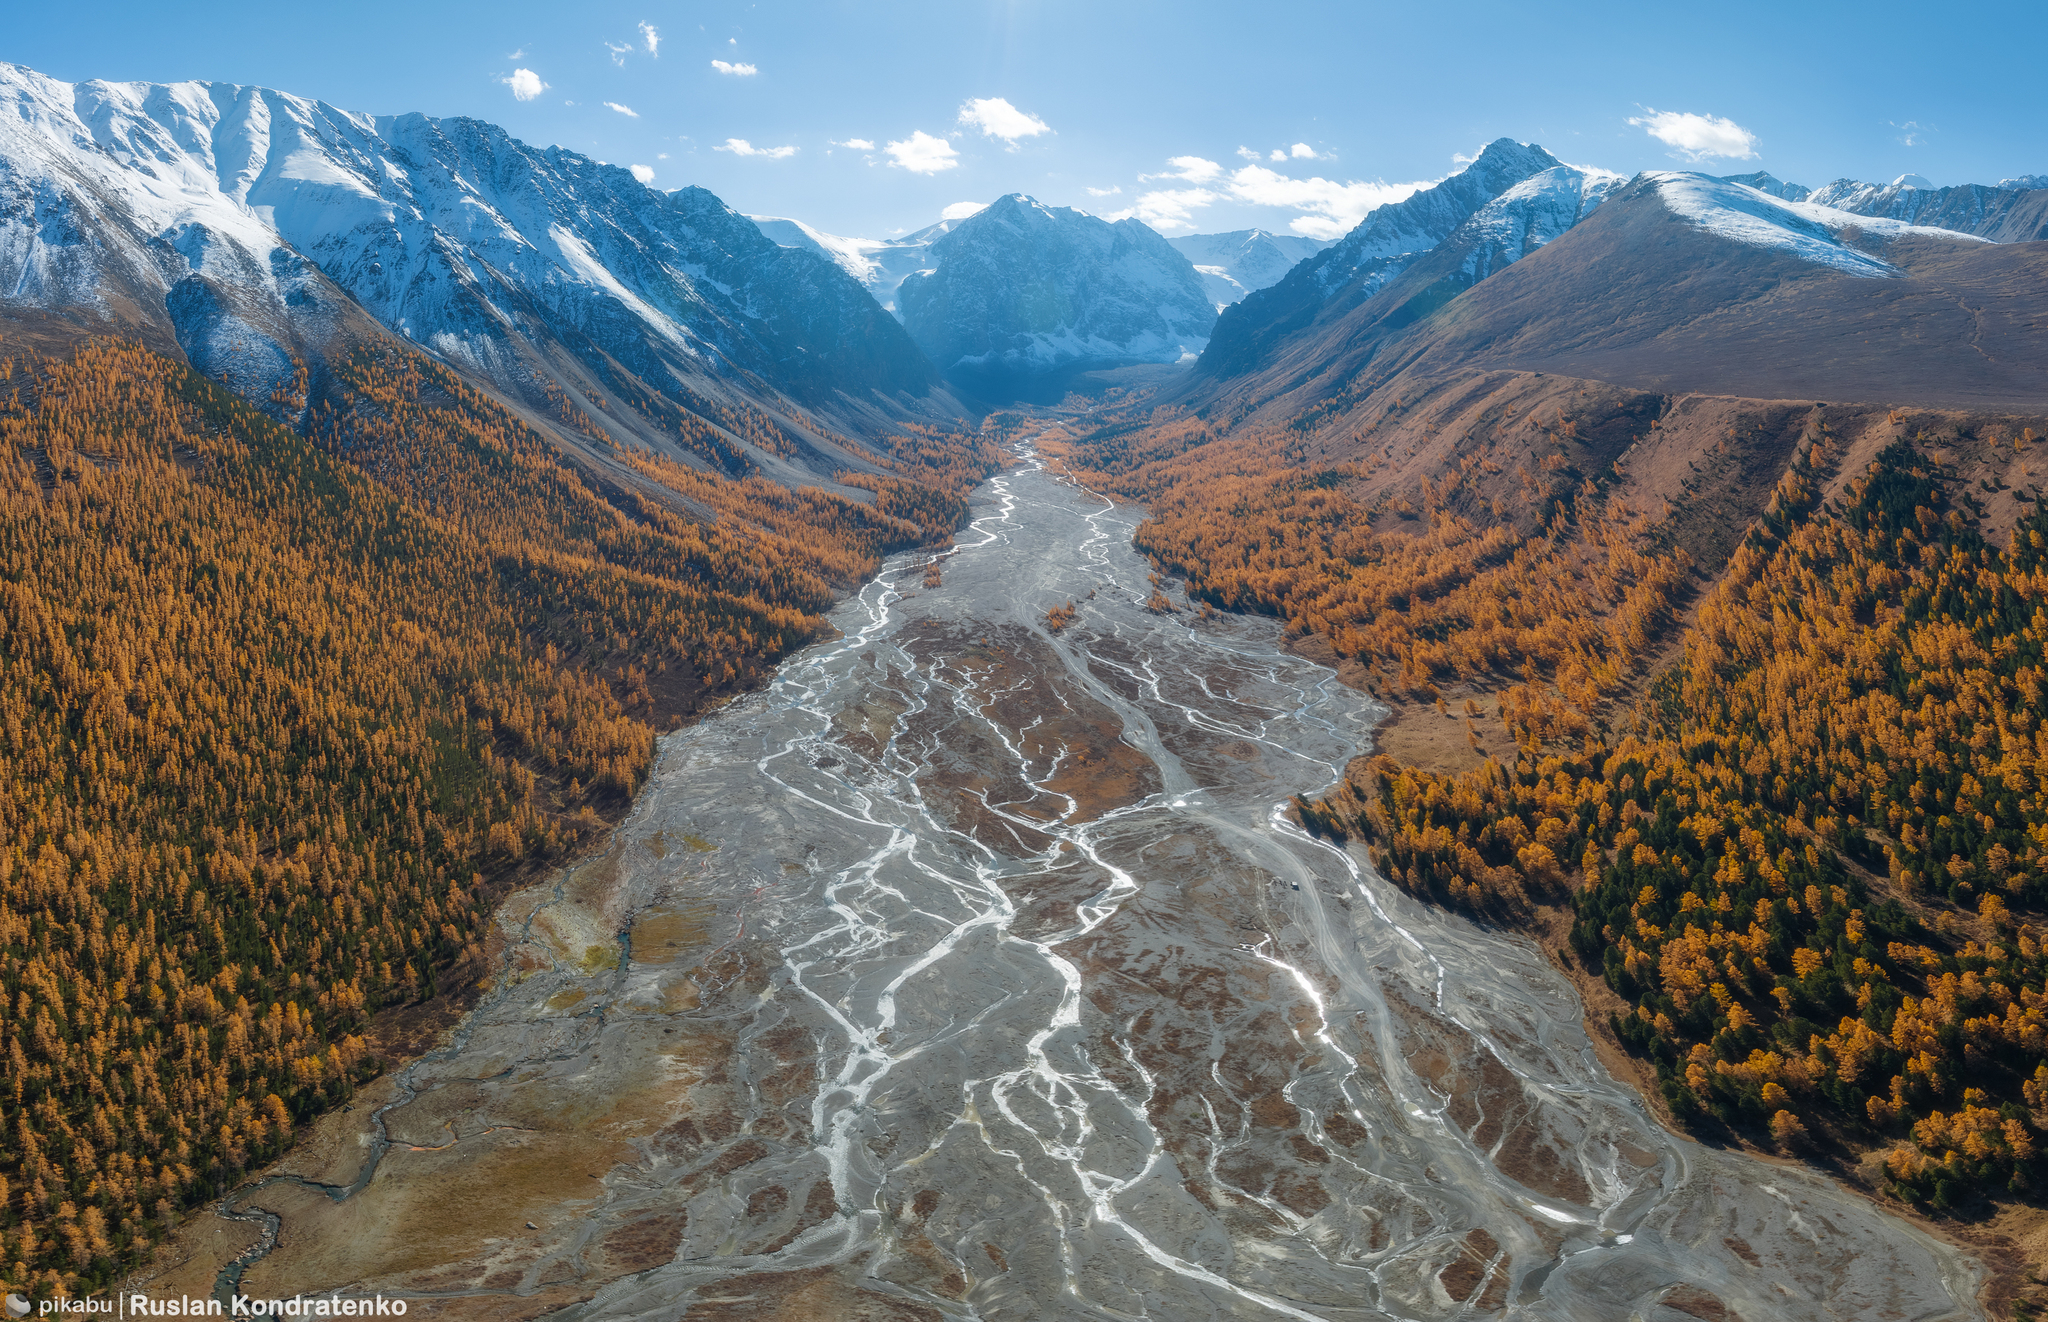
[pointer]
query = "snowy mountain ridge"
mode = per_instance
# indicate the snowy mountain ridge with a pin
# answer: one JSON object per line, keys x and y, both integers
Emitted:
{"x": 2015, "y": 211}
{"x": 1811, "y": 231}
{"x": 255, "y": 223}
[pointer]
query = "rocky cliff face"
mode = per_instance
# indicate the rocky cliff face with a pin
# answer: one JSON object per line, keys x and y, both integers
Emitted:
{"x": 252, "y": 226}
{"x": 1022, "y": 291}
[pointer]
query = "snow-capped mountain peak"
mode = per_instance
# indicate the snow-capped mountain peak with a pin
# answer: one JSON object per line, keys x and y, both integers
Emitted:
{"x": 1022, "y": 289}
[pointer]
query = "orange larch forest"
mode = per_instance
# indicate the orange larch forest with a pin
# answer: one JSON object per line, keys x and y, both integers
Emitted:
{"x": 281, "y": 714}
{"x": 1802, "y": 836}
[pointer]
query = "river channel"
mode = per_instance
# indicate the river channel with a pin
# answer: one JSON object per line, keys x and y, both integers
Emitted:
{"x": 971, "y": 970}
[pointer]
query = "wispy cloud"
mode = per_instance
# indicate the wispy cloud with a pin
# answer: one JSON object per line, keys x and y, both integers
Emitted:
{"x": 619, "y": 52}
{"x": 525, "y": 84}
{"x": 962, "y": 210}
{"x": 1246, "y": 153}
{"x": 652, "y": 36}
{"x": 1110, "y": 191}
{"x": 519, "y": 54}
{"x": 735, "y": 70}
{"x": 858, "y": 144}
{"x": 999, "y": 119}
{"x": 1698, "y": 137}
{"x": 1912, "y": 133}
{"x": 741, "y": 147}
{"x": 644, "y": 173}
{"x": 921, "y": 153}
{"x": 627, "y": 111}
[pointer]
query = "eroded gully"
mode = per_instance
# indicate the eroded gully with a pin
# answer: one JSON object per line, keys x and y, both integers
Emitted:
{"x": 973, "y": 971}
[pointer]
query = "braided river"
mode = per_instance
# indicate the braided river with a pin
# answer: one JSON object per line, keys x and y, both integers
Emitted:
{"x": 973, "y": 970}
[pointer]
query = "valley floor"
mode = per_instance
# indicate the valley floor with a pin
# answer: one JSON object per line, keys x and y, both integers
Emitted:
{"x": 973, "y": 968}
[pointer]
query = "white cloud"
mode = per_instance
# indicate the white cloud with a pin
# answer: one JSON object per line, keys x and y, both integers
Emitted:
{"x": 736, "y": 70}
{"x": 921, "y": 153}
{"x": 1332, "y": 208}
{"x": 1110, "y": 191}
{"x": 1914, "y": 134}
{"x": 651, "y": 35}
{"x": 1277, "y": 155}
{"x": 627, "y": 111}
{"x": 1247, "y": 153}
{"x": 661, "y": 156}
{"x": 519, "y": 54}
{"x": 1167, "y": 208}
{"x": 1301, "y": 151}
{"x": 525, "y": 84}
{"x": 858, "y": 144}
{"x": 645, "y": 174}
{"x": 962, "y": 210}
{"x": 1191, "y": 168}
{"x": 618, "y": 52}
{"x": 999, "y": 119}
{"x": 1698, "y": 137}
{"x": 741, "y": 147}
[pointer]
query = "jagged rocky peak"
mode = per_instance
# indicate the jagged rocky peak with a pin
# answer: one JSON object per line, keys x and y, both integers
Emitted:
{"x": 245, "y": 222}
{"x": 1022, "y": 290}
{"x": 1421, "y": 221}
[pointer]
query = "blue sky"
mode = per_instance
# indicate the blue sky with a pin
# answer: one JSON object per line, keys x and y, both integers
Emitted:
{"x": 1174, "y": 112}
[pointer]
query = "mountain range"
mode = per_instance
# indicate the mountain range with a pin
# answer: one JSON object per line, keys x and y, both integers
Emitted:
{"x": 1671, "y": 281}
{"x": 251, "y": 231}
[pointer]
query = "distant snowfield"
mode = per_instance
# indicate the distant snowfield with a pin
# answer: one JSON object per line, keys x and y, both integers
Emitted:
{"x": 1809, "y": 231}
